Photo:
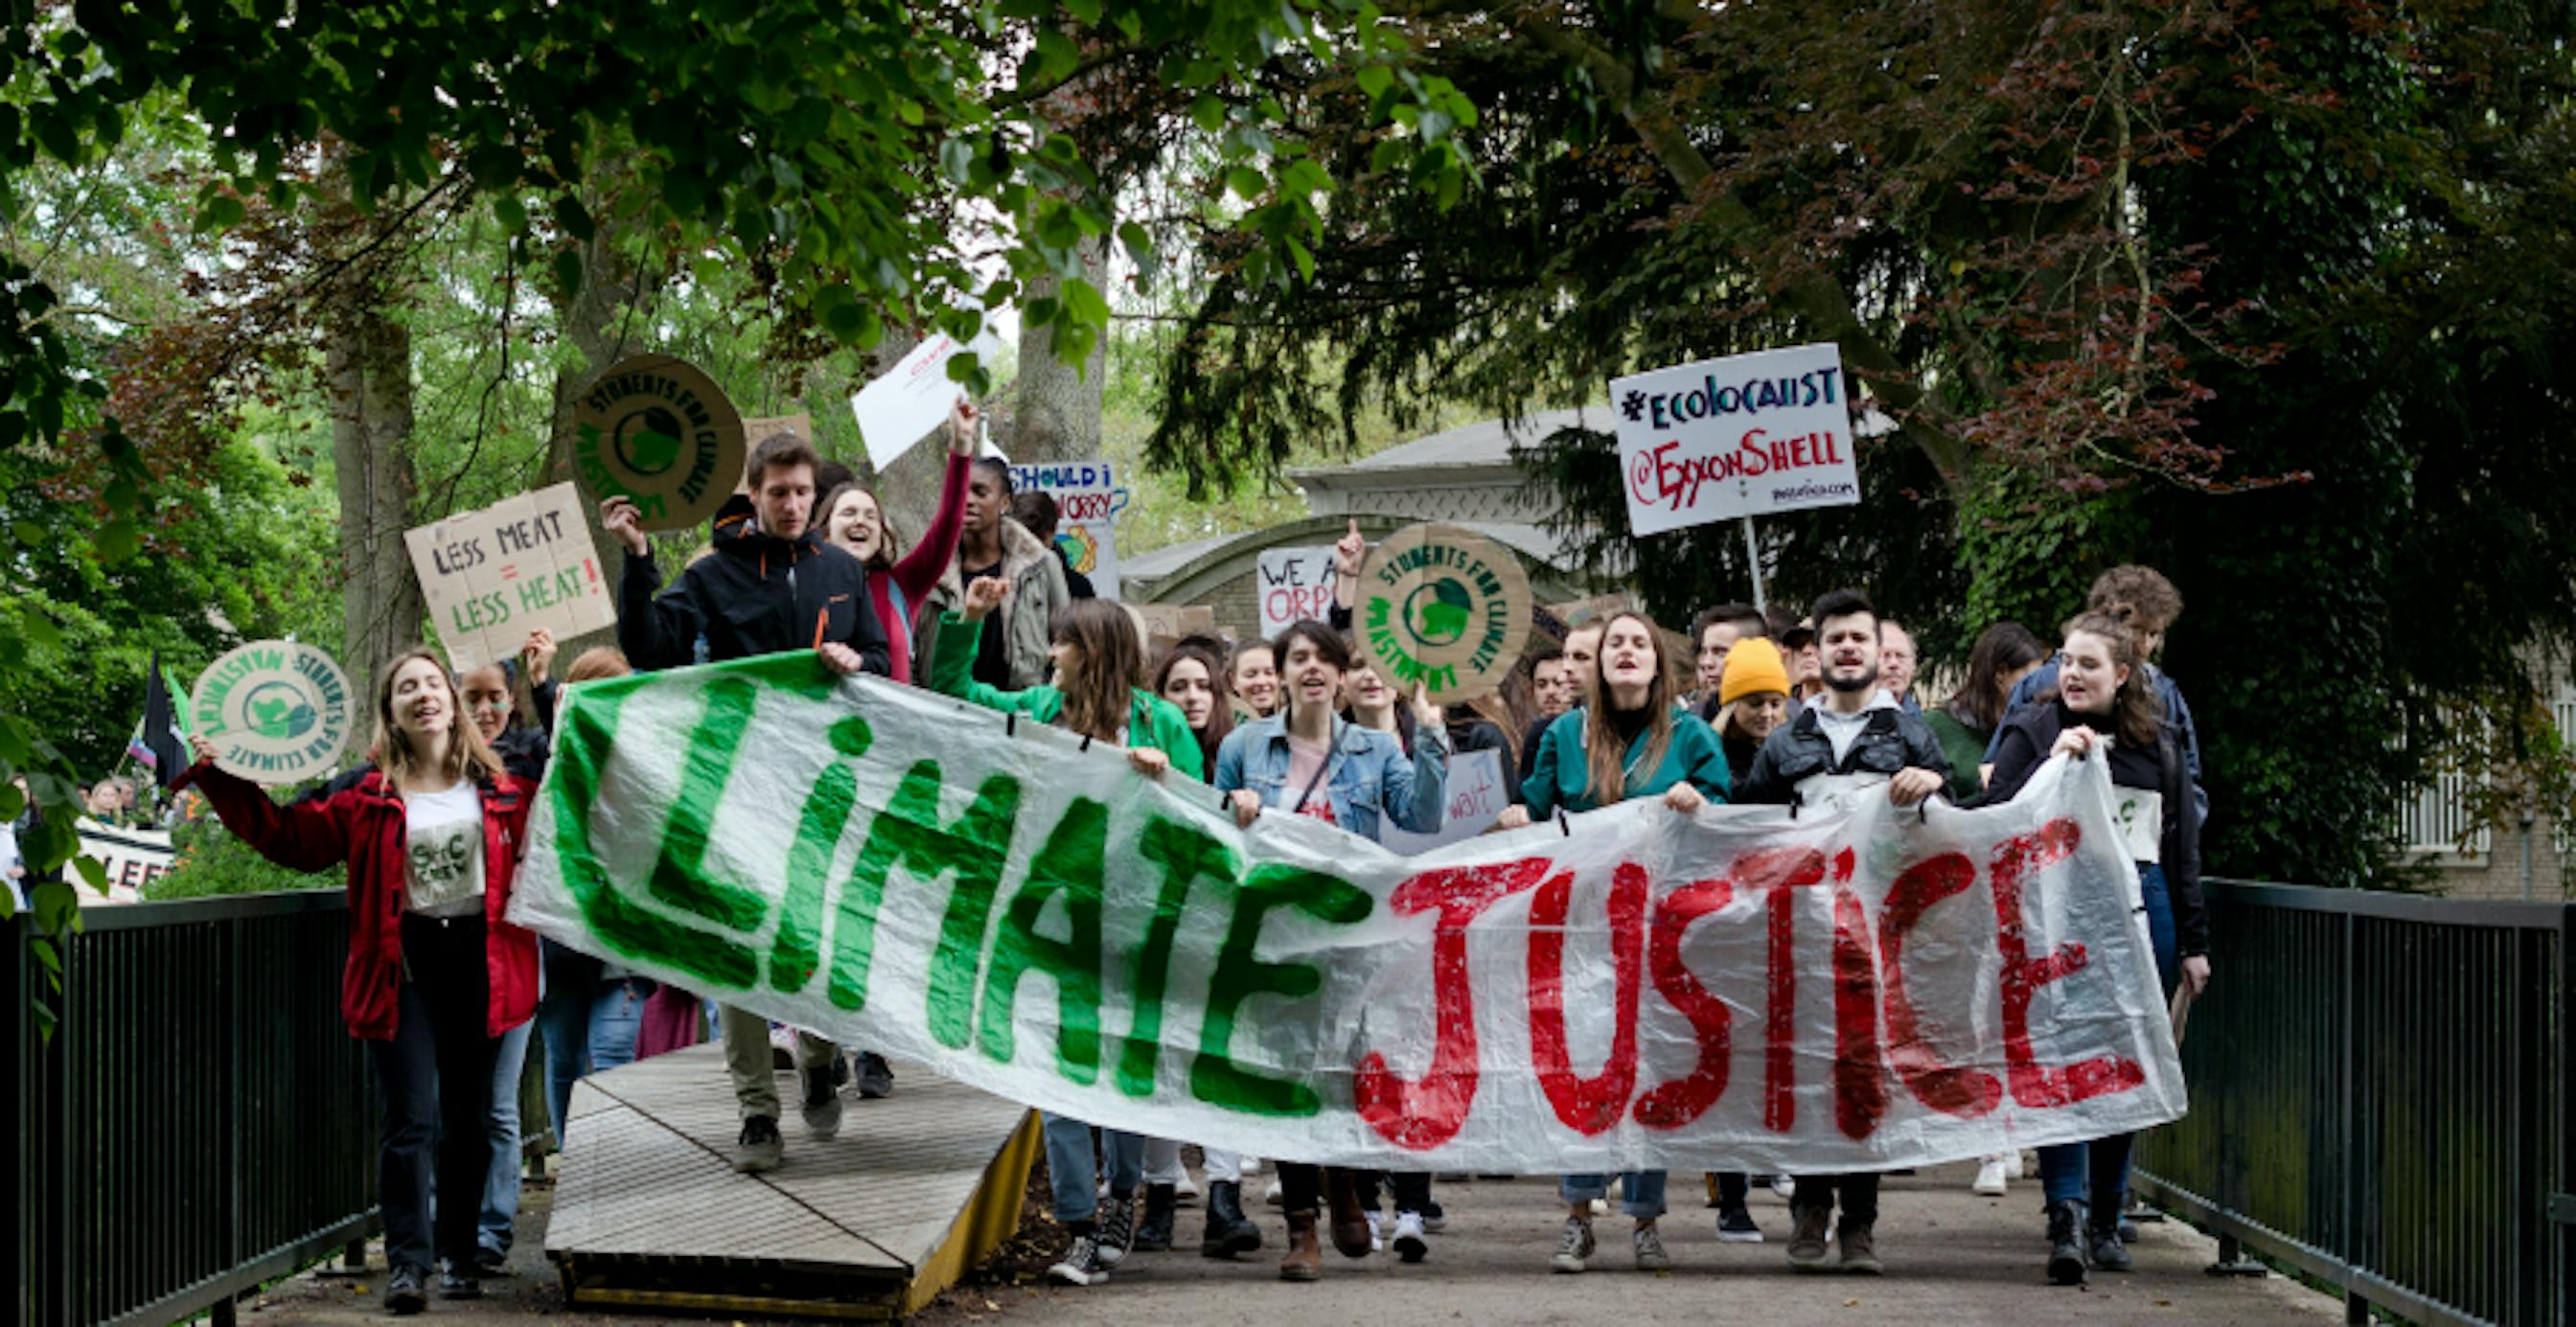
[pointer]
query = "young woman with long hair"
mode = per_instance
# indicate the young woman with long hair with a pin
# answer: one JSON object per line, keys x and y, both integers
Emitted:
{"x": 435, "y": 977}
{"x": 1098, "y": 663}
{"x": 1192, "y": 676}
{"x": 2005, "y": 653}
{"x": 2104, "y": 703}
{"x": 1308, "y": 760}
{"x": 1630, "y": 738}
{"x": 852, "y": 519}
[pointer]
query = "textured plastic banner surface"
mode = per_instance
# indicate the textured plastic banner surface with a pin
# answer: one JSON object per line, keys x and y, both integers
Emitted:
{"x": 1855, "y": 990}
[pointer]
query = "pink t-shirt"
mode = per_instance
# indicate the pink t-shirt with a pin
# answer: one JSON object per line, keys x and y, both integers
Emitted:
{"x": 1305, "y": 760}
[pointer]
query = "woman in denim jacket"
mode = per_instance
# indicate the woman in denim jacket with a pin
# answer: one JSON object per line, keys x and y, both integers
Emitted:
{"x": 1307, "y": 759}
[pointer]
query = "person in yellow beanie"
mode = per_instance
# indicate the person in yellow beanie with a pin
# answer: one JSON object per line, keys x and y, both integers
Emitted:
{"x": 1753, "y": 700}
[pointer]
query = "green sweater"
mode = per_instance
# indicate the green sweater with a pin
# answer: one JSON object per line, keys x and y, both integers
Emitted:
{"x": 1559, "y": 777}
{"x": 1151, "y": 721}
{"x": 1965, "y": 748}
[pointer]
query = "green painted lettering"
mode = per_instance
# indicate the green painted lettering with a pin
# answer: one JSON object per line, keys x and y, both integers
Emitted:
{"x": 908, "y": 833}
{"x": 679, "y": 873}
{"x": 1185, "y": 854}
{"x": 1215, "y": 1078}
{"x": 1071, "y": 864}
{"x": 818, "y": 832}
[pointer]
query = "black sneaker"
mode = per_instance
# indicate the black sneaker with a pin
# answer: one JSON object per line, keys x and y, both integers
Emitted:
{"x": 491, "y": 1265}
{"x": 760, "y": 1147}
{"x": 876, "y": 1077}
{"x": 1117, "y": 1229}
{"x": 1081, "y": 1264}
{"x": 453, "y": 1284}
{"x": 407, "y": 1291}
{"x": 822, "y": 1105}
{"x": 1736, "y": 1226}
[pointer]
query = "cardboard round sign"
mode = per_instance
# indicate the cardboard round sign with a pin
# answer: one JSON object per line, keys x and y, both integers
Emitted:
{"x": 1443, "y": 606}
{"x": 656, "y": 431}
{"x": 277, "y": 712}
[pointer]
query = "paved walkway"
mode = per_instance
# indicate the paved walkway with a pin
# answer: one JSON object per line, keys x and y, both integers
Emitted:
{"x": 1952, "y": 1257}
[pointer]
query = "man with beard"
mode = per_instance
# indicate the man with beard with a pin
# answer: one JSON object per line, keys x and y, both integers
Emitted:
{"x": 1846, "y": 744}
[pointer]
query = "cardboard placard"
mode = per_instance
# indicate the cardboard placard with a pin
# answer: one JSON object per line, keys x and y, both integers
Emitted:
{"x": 762, "y": 429}
{"x": 657, "y": 431}
{"x": 134, "y": 858}
{"x": 1444, "y": 606}
{"x": 278, "y": 712}
{"x": 494, "y": 575}
{"x": 1170, "y": 622}
{"x": 1292, "y": 585}
{"x": 1740, "y": 436}
{"x": 1087, "y": 502}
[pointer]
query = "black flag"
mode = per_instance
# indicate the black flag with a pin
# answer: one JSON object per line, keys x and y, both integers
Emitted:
{"x": 161, "y": 728}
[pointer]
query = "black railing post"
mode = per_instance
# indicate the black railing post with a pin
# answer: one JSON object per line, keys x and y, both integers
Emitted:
{"x": 2355, "y": 1309}
{"x": 17, "y": 1082}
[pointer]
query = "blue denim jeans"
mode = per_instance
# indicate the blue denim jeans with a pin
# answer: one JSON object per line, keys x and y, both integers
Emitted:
{"x": 501, "y": 1185}
{"x": 589, "y": 1027}
{"x": 1643, "y": 1191}
{"x": 1073, "y": 1169}
{"x": 2098, "y": 1171}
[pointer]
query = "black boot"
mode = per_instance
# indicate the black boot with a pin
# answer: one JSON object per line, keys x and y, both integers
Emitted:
{"x": 1228, "y": 1233}
{"x": 2065, "y": 1243}
{"x": 2102, "y": 1233}
{"x": 1154, "y": 1235}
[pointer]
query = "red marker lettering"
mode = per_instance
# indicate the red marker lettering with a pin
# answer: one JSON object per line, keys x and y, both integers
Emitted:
{"x": 2035, "y": 1084}
{"x": 1965, "y": 1093}
{"x": 1684, "y": 1099}
{"x": 1587, "y": 1105}
{"x": 1423, "y": 1115}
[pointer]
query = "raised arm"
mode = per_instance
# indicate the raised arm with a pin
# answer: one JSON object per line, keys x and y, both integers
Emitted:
{"x": 952, "y": 665}
{"x": 918, "y": 573}
{"x": 657, "y": 628}
{"x": 306, "y": 836}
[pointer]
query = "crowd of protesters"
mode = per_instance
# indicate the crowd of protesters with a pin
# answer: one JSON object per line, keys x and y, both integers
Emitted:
{"x": 1749, "y": 708}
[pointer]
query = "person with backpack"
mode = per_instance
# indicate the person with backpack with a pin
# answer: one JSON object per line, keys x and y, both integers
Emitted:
{"x": 2104, "y": 703}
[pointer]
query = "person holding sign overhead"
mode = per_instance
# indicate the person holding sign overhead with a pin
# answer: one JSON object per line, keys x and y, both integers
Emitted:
{"x": 2104, "y": 703}
{"x": 771, "y": 585}
{"x": 854, "y": 521}
{"x": 435, "y": 978}
{"x": 1631, "y": 738}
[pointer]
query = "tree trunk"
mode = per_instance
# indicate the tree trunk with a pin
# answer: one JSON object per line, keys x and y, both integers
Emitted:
{"x": 596, "y": 321}
{"x": 1057, "y": 417}
{"x": 368, "y": 361}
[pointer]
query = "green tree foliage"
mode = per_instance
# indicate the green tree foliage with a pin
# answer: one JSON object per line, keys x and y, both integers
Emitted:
{"x": 2273, "y": 298}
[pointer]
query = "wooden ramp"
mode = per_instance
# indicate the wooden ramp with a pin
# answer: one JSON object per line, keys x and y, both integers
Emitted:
{"x": 649, "y": 1212}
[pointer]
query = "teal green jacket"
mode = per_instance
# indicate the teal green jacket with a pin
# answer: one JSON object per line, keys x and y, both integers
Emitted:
{"x": 1151, "y": 720}
{"x": 1558, "y": 777}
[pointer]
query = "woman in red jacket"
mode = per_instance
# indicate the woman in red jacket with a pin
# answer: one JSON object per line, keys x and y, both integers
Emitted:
{"x": 432, "y": 840}
{"x": 851, "y": 520}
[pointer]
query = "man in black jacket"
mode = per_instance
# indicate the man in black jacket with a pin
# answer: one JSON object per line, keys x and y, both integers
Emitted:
{"x": 772, "y": 585}
{"x": 1851, "y": 740}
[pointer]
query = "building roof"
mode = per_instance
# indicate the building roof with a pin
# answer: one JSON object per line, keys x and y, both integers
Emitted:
{"x": 1484, "y": 445}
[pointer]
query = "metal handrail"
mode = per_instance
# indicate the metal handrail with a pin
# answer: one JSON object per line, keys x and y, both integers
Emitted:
{"x": 199, "y": 1123}
{"x": 2381, "y": 1086}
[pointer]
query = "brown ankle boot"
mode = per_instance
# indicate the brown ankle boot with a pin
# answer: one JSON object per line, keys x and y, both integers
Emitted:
{"x": 1305, "y": 1260}
{"x": 1350, "y": 1220}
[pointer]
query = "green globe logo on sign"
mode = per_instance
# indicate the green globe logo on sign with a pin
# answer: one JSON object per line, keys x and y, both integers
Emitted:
{"x": 658, "y": 432}
{"x": 1445, "y": 607}
{"x": 277, "y": 712}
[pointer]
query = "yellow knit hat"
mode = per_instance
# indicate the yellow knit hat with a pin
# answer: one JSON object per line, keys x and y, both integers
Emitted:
{"x": 1752, "y": 666}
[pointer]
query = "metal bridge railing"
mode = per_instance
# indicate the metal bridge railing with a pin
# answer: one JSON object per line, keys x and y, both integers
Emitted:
{"x": 2381, "y": 1086}
{"x": 200, "y": 1122}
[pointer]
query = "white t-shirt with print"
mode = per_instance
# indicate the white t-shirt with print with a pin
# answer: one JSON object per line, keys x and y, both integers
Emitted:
{"x": 443, "y": 847}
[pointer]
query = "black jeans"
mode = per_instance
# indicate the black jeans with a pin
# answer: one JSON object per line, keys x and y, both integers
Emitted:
{"x": 1412, "y": 1189}
{"x": 435, "y": 1078}
{"x": 1860, "y": 1195}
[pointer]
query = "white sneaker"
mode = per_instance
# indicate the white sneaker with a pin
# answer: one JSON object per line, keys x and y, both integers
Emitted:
{"x": 1278, "y": 1195}
{"x": 1377, "y": 1232}
{"x": 1784, "y": 1186}
{"x": 1410, "y": 1244}
{"x": 2017, "y": 1164}
{"x": 1990, "y": 1178}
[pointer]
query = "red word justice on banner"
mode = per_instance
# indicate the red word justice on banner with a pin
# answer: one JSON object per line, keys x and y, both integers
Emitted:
{"x": 1875, "y": 1020}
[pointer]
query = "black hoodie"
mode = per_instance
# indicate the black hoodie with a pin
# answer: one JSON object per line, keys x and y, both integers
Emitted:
{"x": 758, "y": 594}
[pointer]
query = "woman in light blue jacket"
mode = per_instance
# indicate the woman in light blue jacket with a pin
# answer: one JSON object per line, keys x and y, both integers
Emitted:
{"x": 1309, "y": 760}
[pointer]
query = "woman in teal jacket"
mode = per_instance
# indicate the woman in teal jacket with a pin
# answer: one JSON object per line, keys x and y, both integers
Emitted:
{"x": 1098, "y": 662}
{"x": 1634, "y": 740}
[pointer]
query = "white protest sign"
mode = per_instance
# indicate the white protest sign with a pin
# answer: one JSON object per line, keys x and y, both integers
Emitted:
{"x": 1740, "y": 436}
{"x": 1293, "y": 584}
{"x": 1736, "y": 989}
{"x": 914, "y": 397}
{"x": 134, "y": 858}
{"x": 1087, "y": 502}
{"x": 494, "y": 575}
{"x": 1475, "y": 792}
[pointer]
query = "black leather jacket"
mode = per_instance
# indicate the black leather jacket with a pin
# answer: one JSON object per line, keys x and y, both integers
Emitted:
{"x": 1893, "y": 740}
